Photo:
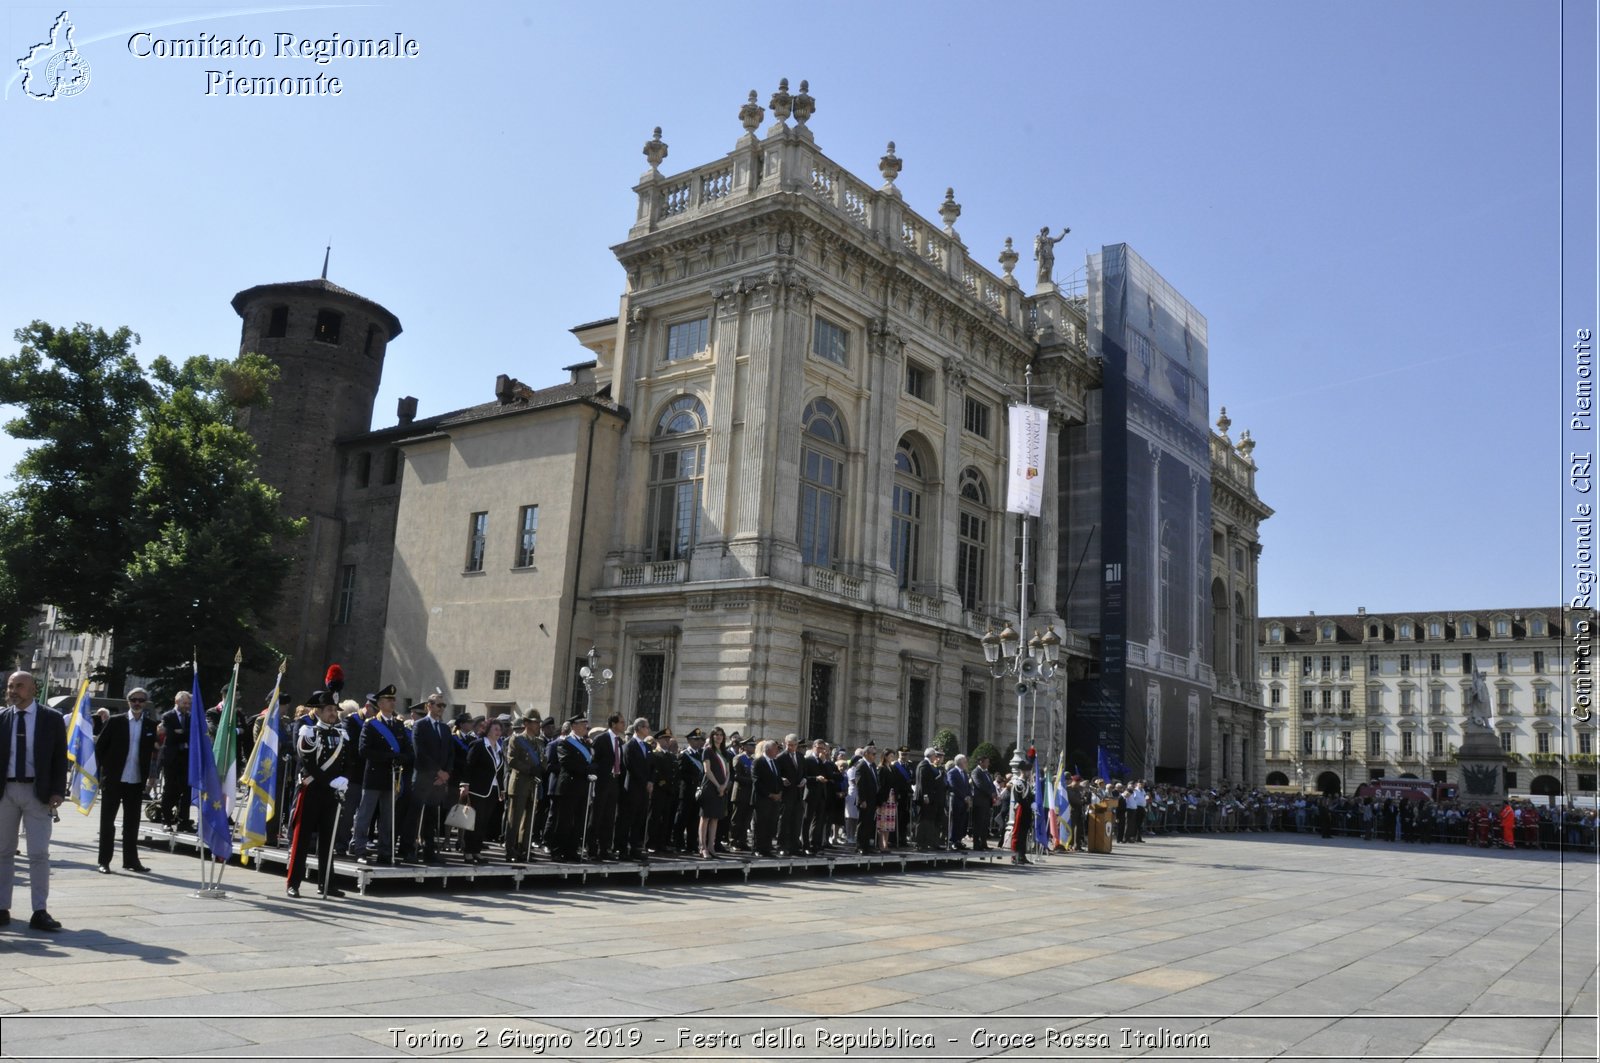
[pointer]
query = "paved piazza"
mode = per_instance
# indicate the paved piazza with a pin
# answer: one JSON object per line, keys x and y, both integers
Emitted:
{"x": 1220, "y": 947}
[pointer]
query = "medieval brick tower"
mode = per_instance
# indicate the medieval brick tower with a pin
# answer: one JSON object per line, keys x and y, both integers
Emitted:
{"x": 328, "y": 343}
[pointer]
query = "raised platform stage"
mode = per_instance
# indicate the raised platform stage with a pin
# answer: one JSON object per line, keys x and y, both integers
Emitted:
{"x": 541, "y": 870}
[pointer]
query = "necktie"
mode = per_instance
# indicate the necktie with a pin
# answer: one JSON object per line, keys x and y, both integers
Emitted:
{"x": 21, "y": 744}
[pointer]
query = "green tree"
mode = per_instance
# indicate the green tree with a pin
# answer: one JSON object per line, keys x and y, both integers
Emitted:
{"x": 209, "y": 573}
{"x": 946, "y": 742}
{"x": 82, "y": 398}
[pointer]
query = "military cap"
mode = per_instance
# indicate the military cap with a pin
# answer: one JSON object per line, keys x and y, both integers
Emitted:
{"x": 531, "y": 718}
{"x": 748, "y": 742}
{"x": 734, "y": 739}
{"x": 387, "y": 692}
{"x": 318, "y": 699}
{"x": 903, "y": 749}
{"x": 549, "y": 721}
{"x": 577, "y": 719}
{"x": 288, "y": 699}
{"x": 696, "y": 733}
{"x": 372, "y": 699}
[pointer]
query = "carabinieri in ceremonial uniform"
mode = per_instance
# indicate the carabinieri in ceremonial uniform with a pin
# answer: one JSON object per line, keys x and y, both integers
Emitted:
{"x": 320, "y": 748}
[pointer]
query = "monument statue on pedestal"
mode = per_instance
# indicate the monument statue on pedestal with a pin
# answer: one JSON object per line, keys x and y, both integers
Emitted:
{"x": 1480, "y": 758}
{"x": 1044, "y": 250}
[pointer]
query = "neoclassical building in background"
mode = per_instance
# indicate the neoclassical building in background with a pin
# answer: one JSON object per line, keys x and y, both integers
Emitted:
{"x": 1360, "y": 696}
{"x": 772, "y": 494}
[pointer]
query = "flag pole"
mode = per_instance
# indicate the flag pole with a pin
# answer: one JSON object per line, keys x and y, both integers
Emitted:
{"x": 199, "y": 833}
{"x": 233, "y": 696}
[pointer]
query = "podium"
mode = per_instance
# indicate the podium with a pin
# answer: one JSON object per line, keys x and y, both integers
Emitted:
{"x": 1102, "y": 822}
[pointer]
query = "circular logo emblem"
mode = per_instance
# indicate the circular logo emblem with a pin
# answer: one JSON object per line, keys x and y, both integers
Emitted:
{"x": 67, "y": 73}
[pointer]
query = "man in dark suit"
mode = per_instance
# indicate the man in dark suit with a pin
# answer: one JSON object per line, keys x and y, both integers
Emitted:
{"x": 691, "y": 770}
{"x": 983, "y": 798}
{"x": 794, "y": 786}
{"x": 932, "y": 820}
{"x": 607, "y": 747}
{"x": 175, "y": 796}
{"x": 900, "y": 780}
{"x": 866, "y": 799}
{"x": 34, "y": 742}
{"x": 636, "y": 789}
{"x": 769, "y": 798}
{"x": 821, "y": 781}
{"x": 960, "y": 800}
{"x": 123, "y": 752}
{"x": 430, "y": 785}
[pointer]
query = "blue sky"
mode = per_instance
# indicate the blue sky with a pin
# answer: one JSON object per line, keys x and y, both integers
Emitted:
{"x": 1361, "y": 197}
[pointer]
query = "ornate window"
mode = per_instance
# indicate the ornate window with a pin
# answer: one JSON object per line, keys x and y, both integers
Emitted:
{"x": 821, "y": 483}
{"x": 972, "y": 542}
{"x": 830, "y": 342}
{"x": 905, "y": 528}
{"x": 685, "y": 339}
{"x": 677, "y": 478}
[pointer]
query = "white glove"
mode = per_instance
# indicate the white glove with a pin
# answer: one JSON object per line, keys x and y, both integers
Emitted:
{"x": 339, "y": 785}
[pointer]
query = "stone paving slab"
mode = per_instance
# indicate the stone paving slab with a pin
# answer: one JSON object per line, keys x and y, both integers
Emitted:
{"x": 1261, "y": 946}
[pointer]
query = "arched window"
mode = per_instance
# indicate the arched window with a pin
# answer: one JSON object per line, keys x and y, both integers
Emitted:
{"x": 821, "y": 483}
{"x": 905, "y": 527}
{"x": 972, "y": 540}
{"x": 677, "y": 478}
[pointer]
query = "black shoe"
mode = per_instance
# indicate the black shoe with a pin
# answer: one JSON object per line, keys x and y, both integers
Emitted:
{"x": 140, "y": 868}
{"x": 5, "y": 916}
{"x": 104, "y": 869}
{"x": 329, "y": 893}
{"x": 41, "y": 921}
{"x": 294, "y": 891}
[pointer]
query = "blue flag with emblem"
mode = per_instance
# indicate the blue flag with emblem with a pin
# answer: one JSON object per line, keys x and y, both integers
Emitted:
{"x": 1041, "y": 816}
{"x": 80, "y": 750}
{"x": 216, "y": 833}
{"x": 261, "y": 776}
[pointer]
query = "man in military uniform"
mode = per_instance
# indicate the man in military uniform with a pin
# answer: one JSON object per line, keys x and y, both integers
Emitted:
{"x": 691, "y": 769}
{"x": 1021, "y": 808}
{"x": 664, "y": 792}
{"x": 932, "y": 818}
{"x": 541, "y": 812}
{"x": 175, "y": 795}
{"x": 744, "y": 794}
{"x": 902, "y": 783}
{"x": 570, "y": 787}
{"x": 385, "y": 750}
{"x": 321, "y": 746}
{"x": 525, "y": 757}
{"x": 351, "y": 802}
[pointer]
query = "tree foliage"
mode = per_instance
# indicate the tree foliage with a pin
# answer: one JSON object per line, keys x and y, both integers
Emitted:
{"x": 208, "y": 574}
{"x": 138, "y": 512}
{"x": 946, "y": 742}
{"x": 81, "y": 397}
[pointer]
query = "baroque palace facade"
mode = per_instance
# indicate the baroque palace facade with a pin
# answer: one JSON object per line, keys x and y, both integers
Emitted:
{"x": 773, "y": 496}
{"x": 1364, "y": 696}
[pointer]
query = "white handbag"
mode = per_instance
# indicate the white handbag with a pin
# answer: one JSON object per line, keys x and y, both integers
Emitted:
{"x": 463, "y": 817}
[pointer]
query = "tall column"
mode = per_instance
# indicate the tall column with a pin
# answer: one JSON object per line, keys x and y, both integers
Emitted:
{"x": 718, "y": 504}
{"x": 955, "y": 391}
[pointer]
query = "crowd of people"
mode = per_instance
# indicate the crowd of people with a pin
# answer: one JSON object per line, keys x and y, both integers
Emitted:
{"x": 1507, "y": 824}
{"x": 367, "y": 781}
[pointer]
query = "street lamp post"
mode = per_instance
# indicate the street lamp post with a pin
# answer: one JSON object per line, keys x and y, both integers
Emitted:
{"x": 593, "y": 676}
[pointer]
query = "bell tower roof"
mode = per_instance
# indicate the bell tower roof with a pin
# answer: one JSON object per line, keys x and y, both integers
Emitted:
{"x": 312, "y": 287}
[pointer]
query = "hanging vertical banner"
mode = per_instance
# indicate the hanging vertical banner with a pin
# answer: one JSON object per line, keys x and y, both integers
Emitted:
{"x": 1025, "y": 485}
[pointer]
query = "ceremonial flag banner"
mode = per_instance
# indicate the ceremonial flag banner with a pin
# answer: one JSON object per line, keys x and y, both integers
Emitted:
{"x": 226, "y": 746}
{"x": 1025, "y": 482}
{"x": 80, "y": 750}
{"x": 215, "y": 831}
{"x": 1041, "y": 816}
{"x": 261, "y": 776}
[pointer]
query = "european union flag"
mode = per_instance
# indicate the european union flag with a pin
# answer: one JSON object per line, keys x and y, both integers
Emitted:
{"x": 215, "y": 831}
